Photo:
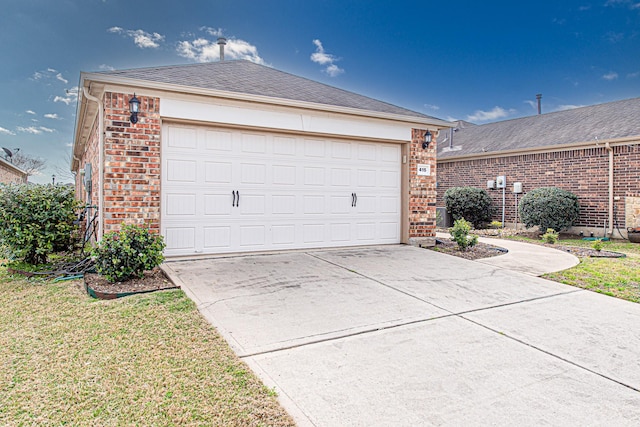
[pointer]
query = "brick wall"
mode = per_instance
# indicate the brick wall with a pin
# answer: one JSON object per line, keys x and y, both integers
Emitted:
{"x": 422, "y": 189}
{"x": 8, "y": 175}
{"x": 585, "y": 172}
{"x": 132, "y": 163}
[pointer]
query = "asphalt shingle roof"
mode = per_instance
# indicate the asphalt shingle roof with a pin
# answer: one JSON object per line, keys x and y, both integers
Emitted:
{"x": 246, "y": 77}
{"x": 597, "y": 122}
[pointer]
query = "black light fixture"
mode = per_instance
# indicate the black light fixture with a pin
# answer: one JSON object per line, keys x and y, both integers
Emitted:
{"x": 427, "y": 140}
{"x": 134, "y": 108}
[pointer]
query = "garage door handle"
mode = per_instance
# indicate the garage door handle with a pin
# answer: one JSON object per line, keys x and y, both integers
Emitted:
{"x": 238, "y": 201}
{"x": 355, "y": 203}
{"x": 233, "y": 204}
{"x": 353, "y": 199}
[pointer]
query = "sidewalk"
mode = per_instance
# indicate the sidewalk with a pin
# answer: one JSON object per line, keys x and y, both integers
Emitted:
{"x": 526, "y": 258}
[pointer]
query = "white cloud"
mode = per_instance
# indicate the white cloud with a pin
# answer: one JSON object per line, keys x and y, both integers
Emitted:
{"x": 204, "y": 50}
{"x": 633, "y": 75}
{"x": 631, "y": 4}
{"x": 141, "y": 38}
{"x": 31, "y": 112}
{"x": 62, "y": 79}
{"x": 106, "y": 67}
{"x": 323, "y": 58}
{"x": 52, "y": 70}
{"x": 4, "y": 131}
{"x": 35, "y": 130}
{"x": 611, "y": 75}
{"x": 52, "y": 116}
{"x": 431, "y": 106}
{"x": 69, "y": 144}
{"x": 568, "y": 107}
{"x": 72, "y": 96}
{"x": 216, "y": 32}
{"x": 31, "y": 129}
{"x": 37, "y": 75}
{"x": 494, "y": 114}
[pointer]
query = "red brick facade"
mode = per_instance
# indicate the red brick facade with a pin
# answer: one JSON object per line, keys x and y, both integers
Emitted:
{"x": 585, "y": 172}
{"x": 422, "y": 189}
{"x": 131, "y": 163}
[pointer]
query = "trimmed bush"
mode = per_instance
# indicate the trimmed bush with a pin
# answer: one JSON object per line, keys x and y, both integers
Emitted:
{"x": 551, "y": 236}
{"x": 128, "y": 253}
{"x": 549, "y": 207}
{"x": 460, "y": 234}
{"x": 472, "y": 204}
{"x": 37, "y": 220}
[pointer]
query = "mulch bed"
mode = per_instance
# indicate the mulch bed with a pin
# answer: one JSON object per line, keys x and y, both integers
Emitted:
{"x": 154, "y": 280}
{"x": 480, "y": 250}
{"x": 587, "y": 252}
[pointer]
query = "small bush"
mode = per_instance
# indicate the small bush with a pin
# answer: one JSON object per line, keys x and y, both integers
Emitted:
{"x": 597, "y": 245}
{"x": 495, "y": 224}
{"x": 37, "y": 220}
{"x": 549, "y": 207}
{"x": 460, "y": 234}
{"x": 472, "y": 204}
{"x": 551, "y": 236}
{"x": 129, "y": 253}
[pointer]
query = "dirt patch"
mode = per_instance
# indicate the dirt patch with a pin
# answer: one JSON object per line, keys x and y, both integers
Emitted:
{"x": 587, "y": 252}
{"x": 153, "y": 280}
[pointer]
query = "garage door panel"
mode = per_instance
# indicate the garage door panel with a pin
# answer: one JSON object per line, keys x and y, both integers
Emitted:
{"x": 180, "y": 204}
{"x": 294, "y": 192}
{"x": 218, "y": 172}
{"x": 180, "y": 238}
{"x": 181, "y": 170}
{"x": 218, "y": 204}
{"x": 283, "y": 175}
{"x": 253, "y": 173}
{"x": 252, "y": 235}
{"x": 218, "y": 140}
{"x": 217, "y": 237}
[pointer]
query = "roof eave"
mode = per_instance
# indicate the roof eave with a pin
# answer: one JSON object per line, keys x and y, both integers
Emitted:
{"x": 543, "y": 149}
{"x": 117, "y": 80}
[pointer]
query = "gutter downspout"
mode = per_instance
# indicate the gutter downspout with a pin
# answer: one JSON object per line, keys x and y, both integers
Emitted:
{"x": 100, "y": 160}
{"x": 610, "y": 150}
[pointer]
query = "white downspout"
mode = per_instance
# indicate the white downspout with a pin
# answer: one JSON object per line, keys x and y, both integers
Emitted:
{"x": 100, "y": 161}
{"x": 610, "y": 150}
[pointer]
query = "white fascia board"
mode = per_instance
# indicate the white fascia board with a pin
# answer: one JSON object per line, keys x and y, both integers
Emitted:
{"x": 289, "y": 119}
{"x": 423, "y": 122}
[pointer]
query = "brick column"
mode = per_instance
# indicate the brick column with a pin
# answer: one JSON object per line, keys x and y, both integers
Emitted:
{"x": 132, "y": 163}
{"x": 422, "y": 190}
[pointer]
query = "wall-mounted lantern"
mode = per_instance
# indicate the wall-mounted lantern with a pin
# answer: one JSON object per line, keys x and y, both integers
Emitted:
{"x": 134, "y": 108}
{"x": 427, "y": 140}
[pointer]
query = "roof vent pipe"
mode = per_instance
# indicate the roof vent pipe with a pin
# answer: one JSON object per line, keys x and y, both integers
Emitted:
{"x": 222, "y": 42}
{"x": 539, "y": 98}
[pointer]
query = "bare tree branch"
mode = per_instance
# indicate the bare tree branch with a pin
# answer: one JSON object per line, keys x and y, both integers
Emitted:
{"x": 31, "y": 165}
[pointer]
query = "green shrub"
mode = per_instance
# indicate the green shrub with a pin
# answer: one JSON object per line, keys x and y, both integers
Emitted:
{"x": 597, "y": 245}
{"x": 495, "y": 224}
{"x": 37, "y": 220}
{"x": 551, "y": 236}
{"x": 460, "y": 234}
{"x": 549, "y": 207}
{"x": 472, "y": 204}
{"x": 129, "y": 253}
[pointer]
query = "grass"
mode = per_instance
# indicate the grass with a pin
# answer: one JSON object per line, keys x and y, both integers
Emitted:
{"x": 617, "y": 277}
{"x": 66, "y": 359}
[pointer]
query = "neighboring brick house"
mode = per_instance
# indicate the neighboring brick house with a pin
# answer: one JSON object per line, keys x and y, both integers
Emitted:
{"x": 236, "y": 157}
{"x": 576, "y": 150}
{"x": 10, "y": 174}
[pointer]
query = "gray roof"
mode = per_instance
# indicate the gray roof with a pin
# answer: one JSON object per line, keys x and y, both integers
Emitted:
{"x": 246, "y": 77}
{"x": 586, "y": 124}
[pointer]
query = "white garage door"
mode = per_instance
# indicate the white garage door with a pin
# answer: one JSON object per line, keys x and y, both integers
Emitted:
{"x": 239, "y": 191}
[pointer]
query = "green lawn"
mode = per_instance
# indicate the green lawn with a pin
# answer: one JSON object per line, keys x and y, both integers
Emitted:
{"x": 618, "y": 277}
{"x": 142, "y": 360}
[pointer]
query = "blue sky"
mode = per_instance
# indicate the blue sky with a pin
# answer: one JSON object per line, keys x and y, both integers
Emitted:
{"x": 470, "y": 60}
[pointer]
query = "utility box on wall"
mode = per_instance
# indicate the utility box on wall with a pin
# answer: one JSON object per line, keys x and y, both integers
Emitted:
{"x": 501, "y": 181}
{"x": 517, "y": 187}
{"x": 443, "y": 218}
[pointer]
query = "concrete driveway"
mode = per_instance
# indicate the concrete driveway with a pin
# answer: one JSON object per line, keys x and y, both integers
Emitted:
{"x": 402, "y": 336}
